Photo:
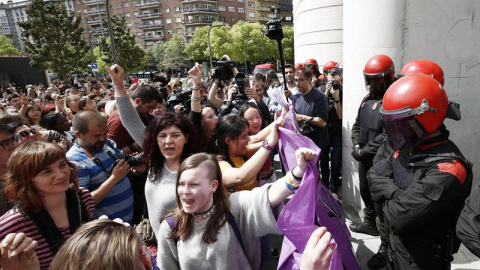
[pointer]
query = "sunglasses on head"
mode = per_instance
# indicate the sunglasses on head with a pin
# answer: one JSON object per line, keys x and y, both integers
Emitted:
{"x": 26, "y": 133}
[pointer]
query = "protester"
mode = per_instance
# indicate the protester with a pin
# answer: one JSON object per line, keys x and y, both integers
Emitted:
{"x": 103, "y": 244}
{"x": 49, "y": 205}
{"x": 199, "y": 237}
{"x": 166, "y": 142}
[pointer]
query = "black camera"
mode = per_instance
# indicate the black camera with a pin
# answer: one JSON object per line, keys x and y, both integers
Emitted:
{"x": 241, "y": 81}
{"x": 336, "y": 85}
{"x": 274, "y": 26}
{"x": 224, "y": 69}
{"x": 131, "y": 160}
{"x": 182, "y": 98}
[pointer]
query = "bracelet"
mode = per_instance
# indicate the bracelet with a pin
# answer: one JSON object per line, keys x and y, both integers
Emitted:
{"x": 337, "y": 101}
{"x": 196, "y": 99}
{"x": 267, "y": 146}
{"x": 296, "y": 177}
{"x": 196, "y": 89}
{"x": 289, "y": 187}
{"x": 289, "y": 177}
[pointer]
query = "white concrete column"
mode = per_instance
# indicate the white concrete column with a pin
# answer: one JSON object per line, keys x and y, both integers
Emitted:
{"x": 318, "y": 30}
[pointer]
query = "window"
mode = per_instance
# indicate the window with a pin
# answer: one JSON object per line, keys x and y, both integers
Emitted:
{"x": 126, "y": 4}
{"x": 221, "y": 8}
{"x": 178, "y": 20}
{"x": 232, "y": 19}
{"x": 167, "y": 10}
{"x": 251, "y": 4}
{"x": 179, "y": 30}
{"x": 231, "y": 9}
{"x": 177, "y": 8}
{"x": 134, "y": 4}
{"x": 241, "y": 10}
{"x": 240, "y": 1}
{"x": 129, "y": 25}
{"x": 251, "y": 14}
{"x": 119, "y": 5}
{"x": 168, "y": 21}
{"x": 135, "y": 13}
{"x": 127, "y": 15}
{"x": 170, "y": 31}
{"x": 222, "y": 19}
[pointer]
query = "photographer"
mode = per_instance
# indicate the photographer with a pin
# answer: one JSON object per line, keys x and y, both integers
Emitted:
{"x": 334, "y": 93}
{"x": 222, "y": 77}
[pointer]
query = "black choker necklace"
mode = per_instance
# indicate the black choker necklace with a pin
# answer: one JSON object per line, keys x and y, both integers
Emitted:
{"x": 207, "y": 214}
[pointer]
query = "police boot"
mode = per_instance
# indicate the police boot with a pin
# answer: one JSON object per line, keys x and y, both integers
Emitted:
{"x": 379, "y": 260}
{"x": 368, "y": 226}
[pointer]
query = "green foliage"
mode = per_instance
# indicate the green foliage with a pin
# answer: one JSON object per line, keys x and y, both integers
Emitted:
{"x": 234, "y": 40}
{"x": 52, "y": 37}
{"x": 174, "y": 53}
{"x": 130, "y": 55}
{"x": 7, "y": 47}
{"x": 154, "y": 55}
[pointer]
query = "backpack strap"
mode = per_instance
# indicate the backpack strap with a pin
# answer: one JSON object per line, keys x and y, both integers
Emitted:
{"x": 231, "y": 221}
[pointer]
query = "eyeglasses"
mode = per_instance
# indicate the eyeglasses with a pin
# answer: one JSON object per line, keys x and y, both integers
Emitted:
{"x": 26, "y": 133}
{"x": 7, "y": 144}
{"x": 298, "y": 80}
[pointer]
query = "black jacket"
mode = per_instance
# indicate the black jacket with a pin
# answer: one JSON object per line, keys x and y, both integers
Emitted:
{"x": 422, "y": 192}
{"x": 468, "y": 225}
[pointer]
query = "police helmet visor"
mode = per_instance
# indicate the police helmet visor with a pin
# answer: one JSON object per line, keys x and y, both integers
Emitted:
{"x": 375, "y": 84}
{"x": 402, "y": 133}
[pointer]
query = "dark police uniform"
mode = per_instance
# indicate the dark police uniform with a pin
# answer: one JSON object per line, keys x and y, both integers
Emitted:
{"x": 367, "y": 127}
{"x": 422, "y": 192}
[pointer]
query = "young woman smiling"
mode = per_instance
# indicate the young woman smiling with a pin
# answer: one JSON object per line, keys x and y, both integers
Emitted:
{"x": 49, "y": 205}
{"x": 211, "y": 230}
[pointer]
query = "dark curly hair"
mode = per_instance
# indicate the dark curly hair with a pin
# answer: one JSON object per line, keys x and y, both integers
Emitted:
{"x": 152, "y": 157}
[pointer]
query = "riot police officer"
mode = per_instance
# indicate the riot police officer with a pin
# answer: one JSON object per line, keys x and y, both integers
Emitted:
{"x": 424, "y": 183}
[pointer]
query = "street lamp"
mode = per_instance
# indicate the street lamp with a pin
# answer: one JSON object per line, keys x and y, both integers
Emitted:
{"x": 110, "y": 32}
{"x": 245, "y": 51}
{"x": 90, "y": 41}
{"x": 208, "y": 37}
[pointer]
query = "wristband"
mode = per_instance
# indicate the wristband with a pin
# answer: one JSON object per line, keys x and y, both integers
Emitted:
{"x": 289, "y": 187}
{"x": 267, "y": 146}
{"x": 132, "y": 148}
{"x": 337, "y": 101}
{"x": 196, "y": 99}
{"x": 296, "y": 177}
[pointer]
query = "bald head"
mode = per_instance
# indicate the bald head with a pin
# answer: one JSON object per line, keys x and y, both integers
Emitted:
{"x": 83, "y": 119}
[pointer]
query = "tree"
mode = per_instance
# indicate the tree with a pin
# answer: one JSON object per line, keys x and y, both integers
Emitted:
{"x": 130, "y": 55}
{"x": 52, "y": 37}
{"x": 199, "y": 44}
{"x": 250, "y": 35}
{"x": 7, "y": 47}
{"x": 155, "y": 54}
{"x": 174, "y": 55}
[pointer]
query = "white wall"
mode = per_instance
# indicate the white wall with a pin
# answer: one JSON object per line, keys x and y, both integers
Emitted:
{"x": 318, "y": 31}
{"x": 440, "y": 30}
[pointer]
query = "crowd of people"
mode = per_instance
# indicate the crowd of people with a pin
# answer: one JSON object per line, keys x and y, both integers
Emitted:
{"x": 84, "y": 162}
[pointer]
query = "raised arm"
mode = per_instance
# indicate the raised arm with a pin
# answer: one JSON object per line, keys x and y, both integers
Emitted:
{"x": 128, "y": 115}
{"x": 285, "y": 186}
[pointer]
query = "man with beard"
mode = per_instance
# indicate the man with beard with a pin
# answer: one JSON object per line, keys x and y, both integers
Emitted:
{"x": 98, "y": 171}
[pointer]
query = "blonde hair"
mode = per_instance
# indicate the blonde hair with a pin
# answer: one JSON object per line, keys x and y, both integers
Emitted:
{"x": 100, "y": 244}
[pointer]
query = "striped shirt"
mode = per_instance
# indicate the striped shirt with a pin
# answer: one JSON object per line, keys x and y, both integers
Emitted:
{"x": 15, "y": 222}
{"x": 119, "y": 201}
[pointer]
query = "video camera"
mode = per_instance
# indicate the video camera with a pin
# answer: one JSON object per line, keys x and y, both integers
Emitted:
{"x": 182, "y": 98}
{"x": 274, "y": 26}
{"x": 224, "y": 69}
{"x": 241, "y": 81}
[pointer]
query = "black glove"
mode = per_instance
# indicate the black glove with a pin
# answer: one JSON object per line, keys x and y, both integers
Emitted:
{"x": 356, "y": 154}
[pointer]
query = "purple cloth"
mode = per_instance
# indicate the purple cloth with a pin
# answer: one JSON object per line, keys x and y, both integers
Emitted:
{"x": 311, "y": 203}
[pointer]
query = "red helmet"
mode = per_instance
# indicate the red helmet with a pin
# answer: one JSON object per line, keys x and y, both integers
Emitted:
{"x": 379, "y": 73}
{"x": 426, "y": 67}
{"x": 328, "y": 66}
{"x": 298, "y": 65}
{"x": 311, "y": 61}
{"x": 414, "y": 105}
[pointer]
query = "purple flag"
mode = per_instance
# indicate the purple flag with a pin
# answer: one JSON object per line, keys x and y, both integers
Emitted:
{"x": 311, "y": 204}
